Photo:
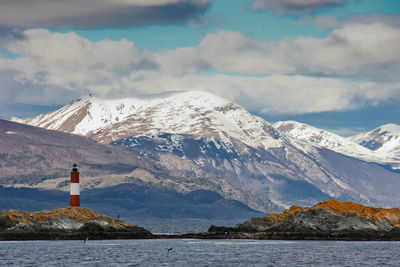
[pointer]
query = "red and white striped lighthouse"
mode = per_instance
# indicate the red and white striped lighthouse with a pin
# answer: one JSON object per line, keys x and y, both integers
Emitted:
{"x": 74, "y": 198}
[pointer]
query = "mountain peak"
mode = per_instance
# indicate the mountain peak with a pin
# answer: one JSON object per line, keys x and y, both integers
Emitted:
{"x": 383, "y": 140}
{"x": 194, "y": 98}
{"x": 390, "y": 128}
{"x": 200, "y": 97}
{"x": 83, "y": 98}
{"x": 195, "y": 113}
{"x": 322, "y": 138}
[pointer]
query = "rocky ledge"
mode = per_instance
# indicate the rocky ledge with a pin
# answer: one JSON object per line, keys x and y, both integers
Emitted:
{"x": 327, "y": 220}
{"x": 65, "y": 223}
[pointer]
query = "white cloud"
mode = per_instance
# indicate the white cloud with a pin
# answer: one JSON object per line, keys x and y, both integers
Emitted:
{"x": 275, "y": 94}
{"x": 71, "y": 61}
{"x": 367, "y": 52}
{"x": 53, "y": 67}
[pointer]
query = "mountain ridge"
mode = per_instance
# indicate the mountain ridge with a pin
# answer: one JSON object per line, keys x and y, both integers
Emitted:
{"x": 322, "y": 138}
{"x": 198, "y": 134}
{"x": 384, "y": 139}
{"x": 101, "y": 114}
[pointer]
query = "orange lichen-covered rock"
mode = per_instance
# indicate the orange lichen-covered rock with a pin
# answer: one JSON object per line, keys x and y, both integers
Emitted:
{"x": 327, "y": 216}
{"x": 261, "y": 224}
{"x": 78, "y": 214}
{"x": 280, "y": 217}
{"x": 349, "y": 208}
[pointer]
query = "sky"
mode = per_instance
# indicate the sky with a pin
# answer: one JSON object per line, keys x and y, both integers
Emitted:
{"x": 334, "y": 64}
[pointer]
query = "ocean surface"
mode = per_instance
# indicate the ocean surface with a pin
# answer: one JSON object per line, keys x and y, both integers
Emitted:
{"x": 189, "y": 252}
{"x": 170, "y": 227}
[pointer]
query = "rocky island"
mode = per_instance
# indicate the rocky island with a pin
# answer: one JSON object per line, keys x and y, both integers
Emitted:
{"x": 327, "y": 220}
{"x": 65, "y": 223}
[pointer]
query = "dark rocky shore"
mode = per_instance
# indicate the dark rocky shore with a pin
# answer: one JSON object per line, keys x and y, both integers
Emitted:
{"x": 328, "y": 220}
{"x": 66, "y": 223}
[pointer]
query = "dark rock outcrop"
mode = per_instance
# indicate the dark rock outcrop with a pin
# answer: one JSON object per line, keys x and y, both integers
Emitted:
{"x": 66, "y": 223}
{"x": 327, "y": 220}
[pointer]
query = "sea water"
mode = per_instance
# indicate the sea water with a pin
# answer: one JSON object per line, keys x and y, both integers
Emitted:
{"x": 174, "y": 227}
{"x": 191, "y": 252}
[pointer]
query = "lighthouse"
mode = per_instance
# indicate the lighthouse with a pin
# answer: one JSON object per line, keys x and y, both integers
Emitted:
{"x": 74, "y": 198}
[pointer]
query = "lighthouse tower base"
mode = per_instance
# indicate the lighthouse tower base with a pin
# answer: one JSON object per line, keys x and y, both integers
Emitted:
{"x": 74, "y": 201}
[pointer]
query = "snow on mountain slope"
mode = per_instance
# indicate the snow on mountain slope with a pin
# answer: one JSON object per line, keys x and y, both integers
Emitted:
{"x": 192, "y": 112}
{"x": 322, "y": 138}
{"x": 198, "y": 134}
{"x": 384, "y": 140}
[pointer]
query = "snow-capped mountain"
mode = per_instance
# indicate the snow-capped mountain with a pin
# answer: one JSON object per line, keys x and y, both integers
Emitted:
{"x": 200, "y": 134}
{"x": 322, "y": 138}
{"x": 384, "y": 140}
{"x": 196, "y": 113}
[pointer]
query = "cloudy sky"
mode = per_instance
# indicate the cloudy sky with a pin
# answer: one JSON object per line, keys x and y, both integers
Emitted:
{"x": 332, "y": 63}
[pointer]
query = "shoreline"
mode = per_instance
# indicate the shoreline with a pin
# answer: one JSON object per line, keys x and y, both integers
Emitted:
{"x": 360, "y": 236}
